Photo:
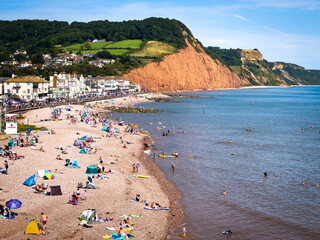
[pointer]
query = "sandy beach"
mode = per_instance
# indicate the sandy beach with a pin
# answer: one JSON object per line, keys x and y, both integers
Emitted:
{"x": 113, "y": 196}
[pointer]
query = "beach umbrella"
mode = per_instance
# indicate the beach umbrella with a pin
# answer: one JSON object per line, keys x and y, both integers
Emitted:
{"x": 14, "y": 204}
{"x": 50, "y": 174}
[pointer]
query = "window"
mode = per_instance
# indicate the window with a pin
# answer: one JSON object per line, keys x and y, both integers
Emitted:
{"x": 28, "y": 90}
{"x": 8, "y": 83}
{"x": 28, "y": 84}
{"x": 8, "y": 90}
{"x": 17, "y": 90}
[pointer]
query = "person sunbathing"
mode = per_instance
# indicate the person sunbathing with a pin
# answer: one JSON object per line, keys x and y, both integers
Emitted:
{"x": 41, "y": 149}
{"x": 58, "y": 157}
{"x": 41, "y": 188}
{"x": 2, "y": 190}
{"x": 63, "y": 151}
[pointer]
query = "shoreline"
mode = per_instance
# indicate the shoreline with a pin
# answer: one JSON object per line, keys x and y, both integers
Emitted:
{"x": 157, "y": 188}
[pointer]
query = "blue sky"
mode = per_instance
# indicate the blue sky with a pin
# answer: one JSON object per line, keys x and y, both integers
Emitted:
{"x": 283, "y": 30}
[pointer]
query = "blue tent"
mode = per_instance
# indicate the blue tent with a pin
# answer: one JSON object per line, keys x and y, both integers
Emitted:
{"x": 30, "y": 181}
{"x": 12, "y": 143}
{"x": 74, "y": 164}
{"x": 104, "y": 129}
{"x": 92, "y": 169}
{"x": 84, "y": 138}
{"x": 83, "y": 150}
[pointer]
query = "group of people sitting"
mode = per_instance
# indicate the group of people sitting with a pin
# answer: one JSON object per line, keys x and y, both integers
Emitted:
{"x": 5, "y": 211}
{"x": 76, "y": 197}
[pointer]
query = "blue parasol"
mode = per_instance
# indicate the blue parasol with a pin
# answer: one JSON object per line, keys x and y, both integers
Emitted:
{"x": 14, "y": 204}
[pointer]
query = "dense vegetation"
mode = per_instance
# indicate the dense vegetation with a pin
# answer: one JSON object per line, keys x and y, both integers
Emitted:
{"x": 230, "y": 57}
{"x": 263, "y": 72}
{"x": 39, "y": 37}
{"x": 42, "y": 35}
{"x": 307, "y": 77}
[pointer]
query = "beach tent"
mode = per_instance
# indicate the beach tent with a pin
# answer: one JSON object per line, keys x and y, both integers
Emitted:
{"x": 84, "y": 138}
{"x": 11, "y": 143}
{"x": 55, "y": 190}
{"x": 74, "y": 164}
{"x": 104, "y": 129}
{"x": 41, "y": 173}
{"x": 83, "y": 150}
{"x": 33, "y": 227}
{"x": 50, "y": 174}
{"x": 92, "y": 169}
{"x": 77, "y": 142}
{"x": 30, "y": 181}
{"x": 88, "y": 215}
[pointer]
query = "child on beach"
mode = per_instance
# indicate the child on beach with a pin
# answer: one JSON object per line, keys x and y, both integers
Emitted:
{"x": 43, "y": 220}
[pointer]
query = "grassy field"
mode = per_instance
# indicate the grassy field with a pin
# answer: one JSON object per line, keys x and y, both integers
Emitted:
{"x": 132, "y": 44}
{"x": 155, "y": 49}
{"x": 151, "y": 49}
{"x": 94, "y": 46}
{"x": 118, "y": 51}
{"x": 236, "y": 69}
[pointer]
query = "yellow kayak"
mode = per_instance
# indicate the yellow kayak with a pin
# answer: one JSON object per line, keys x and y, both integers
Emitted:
{"x": 140, "y": 176}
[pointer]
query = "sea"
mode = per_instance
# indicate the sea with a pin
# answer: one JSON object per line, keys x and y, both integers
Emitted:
{"x": 226, "y": 142}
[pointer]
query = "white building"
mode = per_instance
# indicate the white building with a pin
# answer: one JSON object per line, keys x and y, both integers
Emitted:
{"x": 70, "y": 85}
{"x": 28, "y": 88}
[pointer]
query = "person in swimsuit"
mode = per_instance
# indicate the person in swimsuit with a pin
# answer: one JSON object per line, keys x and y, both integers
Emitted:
{"x": 43, "y": 221}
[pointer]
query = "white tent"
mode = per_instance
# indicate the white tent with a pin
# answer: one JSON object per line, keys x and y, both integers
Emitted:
{"x": 89, "y": 215}
{"x": 41, "y": 173}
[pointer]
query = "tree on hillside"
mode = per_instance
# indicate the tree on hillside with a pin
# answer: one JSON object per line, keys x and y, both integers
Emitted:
{"x": 87, "y": 46}
{"x": 20, "y": 57}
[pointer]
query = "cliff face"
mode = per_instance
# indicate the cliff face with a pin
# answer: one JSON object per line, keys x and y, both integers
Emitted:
{"x": 186, "y": 70}
{"x": 252, "y": 55}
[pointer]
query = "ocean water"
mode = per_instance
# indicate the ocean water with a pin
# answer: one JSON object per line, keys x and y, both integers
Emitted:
{"x": 265, "y": 127}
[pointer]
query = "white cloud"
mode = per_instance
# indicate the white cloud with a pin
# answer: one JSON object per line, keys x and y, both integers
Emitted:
{"x": 241, "y": 18}
{"x": 274, "y": 30}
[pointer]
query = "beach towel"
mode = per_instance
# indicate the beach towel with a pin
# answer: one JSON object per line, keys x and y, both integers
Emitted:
{"x": 55, "y": 190}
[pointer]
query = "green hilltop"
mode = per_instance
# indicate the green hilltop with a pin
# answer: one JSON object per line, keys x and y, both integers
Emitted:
{"x": 131, "y": 44}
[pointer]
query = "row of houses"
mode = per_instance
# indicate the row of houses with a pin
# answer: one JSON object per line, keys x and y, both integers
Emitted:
{"x": 63, "y": 85}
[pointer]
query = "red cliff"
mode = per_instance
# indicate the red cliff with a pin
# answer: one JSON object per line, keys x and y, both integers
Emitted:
{"x": 186, "y": 70}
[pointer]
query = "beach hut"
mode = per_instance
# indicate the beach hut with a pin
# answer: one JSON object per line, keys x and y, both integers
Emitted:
{"x": 92, "y": 169}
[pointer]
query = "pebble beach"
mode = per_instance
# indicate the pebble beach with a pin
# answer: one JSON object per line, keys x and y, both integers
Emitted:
{"x": 114, "y": 193}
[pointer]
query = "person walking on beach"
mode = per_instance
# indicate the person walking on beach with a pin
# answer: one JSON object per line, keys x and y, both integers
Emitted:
{"x": 6, "y": 165}
{"x": 43, "y": 220}
{"x": 134, "y": 167}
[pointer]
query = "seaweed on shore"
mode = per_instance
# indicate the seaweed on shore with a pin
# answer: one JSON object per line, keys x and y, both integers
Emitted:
{"x": 132, "y": 110}
{"x": 184, "y": 96}
{"x": 166, "y": 100}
